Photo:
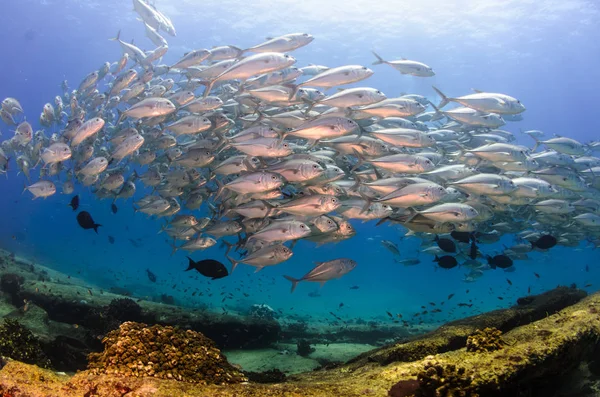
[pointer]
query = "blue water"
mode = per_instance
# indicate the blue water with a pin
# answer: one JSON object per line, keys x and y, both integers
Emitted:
{"x": 545, "y": 53}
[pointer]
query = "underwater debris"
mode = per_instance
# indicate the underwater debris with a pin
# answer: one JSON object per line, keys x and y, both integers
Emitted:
{"x": 136, "y": 349}
{"x": 486, "y": 340}
{"x": 19, "y": 343}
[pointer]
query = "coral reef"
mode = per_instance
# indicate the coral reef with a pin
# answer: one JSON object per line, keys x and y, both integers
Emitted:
{"x": 438, "y": 380}
{"x": 18, "y": 343}
{"x": 486, "y": 340}
{"x": 163, "y": 352}
{"x": 453, "y": 335}
{"x": 262, "y": 311}
{"x": 535, "y": 354}
{"x": 124, "y": 309}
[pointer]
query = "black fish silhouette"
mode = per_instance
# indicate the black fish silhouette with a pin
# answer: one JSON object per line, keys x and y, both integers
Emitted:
{"x": 85, "y": 221}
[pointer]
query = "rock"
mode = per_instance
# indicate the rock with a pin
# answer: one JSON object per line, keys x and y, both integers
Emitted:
{"x": 163, "y": 352}
{"x": 453, "y": 335}
{"x": 486, "y": 340}
{"x": 534, "y": 355}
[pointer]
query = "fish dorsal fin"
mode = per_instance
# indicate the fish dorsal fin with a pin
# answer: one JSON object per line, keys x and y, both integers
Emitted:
{"x": 268, "y": 38}
{"x": 477, "y": 91}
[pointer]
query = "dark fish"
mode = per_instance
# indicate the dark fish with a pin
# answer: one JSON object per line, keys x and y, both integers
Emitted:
{"x": 501, "y": 298}
{"x": 136, "y": 243}
{"x": 445, "y": 244}
{"x": 473, "y": 250}
{"x": 341, "y": 305}
{"x": 509, "y": 282}
{"x": 465, "y": 304}
{"x": 529, "y": 290}
{"x": 501, "y": 261}
{"x": 355, "y": 287}
{"x": 151, "y": 276}
{"x": 446, "y": 261}
{"x": 113, "y": 208}
{"x": 545, "y": 242}
{"x": 74, "y": 202}
{"x": 450, "y": 296}
{"x": 390, "y": 314}
{"x": 208, "y": 268}
{"x": 463, "y": 237}
{"x": 535, "y": 274}
{"x": 111, "y": 239}
{"x": 85, "y": 221}
{"x": 587, "y": 268}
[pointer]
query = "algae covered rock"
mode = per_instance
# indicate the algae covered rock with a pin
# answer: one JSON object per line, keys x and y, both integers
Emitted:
{"x": 19, "y": 343}
{"x": 486, "y": 340}
{"x": 166, "y": 352}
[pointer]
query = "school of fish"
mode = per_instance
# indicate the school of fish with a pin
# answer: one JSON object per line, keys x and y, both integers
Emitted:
{"x": 272, "y": 153}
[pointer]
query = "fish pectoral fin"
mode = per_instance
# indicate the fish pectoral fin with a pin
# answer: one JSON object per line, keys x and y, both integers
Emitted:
{"x": 258, "y": 269}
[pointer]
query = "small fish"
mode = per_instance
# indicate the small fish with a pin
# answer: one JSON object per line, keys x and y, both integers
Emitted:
{"x": 450, "y": 296}
{"x": 208, "y": 268}
{"x": 390, "y": 314}
{"x": 355, "y": 287}
{"x": 113, "y": 208}
{"x": 501, "y": 298}
{"x": 86, "y": 221}
{"x": 151, "y": 276}
{"x": 446, "y": 261}
{"x": 536, "y": 275}
{"x": 509, "y": 282}
{"x": 74, "y": 202}
{"x": 341, "y": 305}
{"x": 544, "y": 242}
{"x": 111, "y": 239}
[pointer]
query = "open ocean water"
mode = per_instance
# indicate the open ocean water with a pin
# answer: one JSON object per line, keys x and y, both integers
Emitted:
{"x": 545, "y": 53}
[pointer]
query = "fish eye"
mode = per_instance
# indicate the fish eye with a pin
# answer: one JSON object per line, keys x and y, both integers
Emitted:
{"x": 305, "y": 34}
{"x": 273, "y": 177}
{"x": 364, "y": 68}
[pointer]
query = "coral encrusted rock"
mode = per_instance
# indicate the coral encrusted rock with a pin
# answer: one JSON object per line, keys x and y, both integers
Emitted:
{"x": 166, "y": 352}
{"x": 486, "y": 340}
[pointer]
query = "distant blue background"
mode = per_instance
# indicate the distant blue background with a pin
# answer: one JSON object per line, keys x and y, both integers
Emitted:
{"x": 546, "y": 53}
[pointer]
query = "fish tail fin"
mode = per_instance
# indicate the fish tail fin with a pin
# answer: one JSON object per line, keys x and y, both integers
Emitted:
{"x": 294, "y": 282}
{"x": 537, "y": 143}
{"x": 190, "y": 264}
{"x": 361, "y": 160}
{"x": 229, "y": 246}
{"x": 240, "y": 52}
{"x": 209, "y": 86}
{"x": 368, "y": 202}
{"x": 234, "y": 263}
{"x": 96, "y": 226}
{"x": 121, "y": 115}
{"x": 379, "y": 60}
{"x": 294, "y": 90}
{"x": 220, "y": 189}
{"x": 445, "y": 99}
{"x": 117, "y": 37}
